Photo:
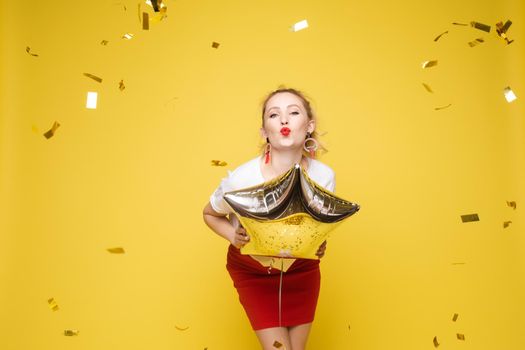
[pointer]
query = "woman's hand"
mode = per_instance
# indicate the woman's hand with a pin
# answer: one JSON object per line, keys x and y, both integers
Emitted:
{"x": 240, "y": 238}
{"x": 321, "y": 250}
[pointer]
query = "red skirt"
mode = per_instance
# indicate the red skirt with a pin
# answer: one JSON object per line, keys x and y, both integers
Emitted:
{"x": 258, "y": 289}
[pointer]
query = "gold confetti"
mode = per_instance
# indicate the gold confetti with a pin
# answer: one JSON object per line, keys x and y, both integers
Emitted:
{"x": 28, "y": 50}
{"x": 469, "y": 217}
{"x": 71, "y": 332}
{"x": 299, "y": 26}
{"x": 475, "y": 42}
{"x": 52, "y": 304}
{"x": 435, "y": 341}
{"x": 104, "y": 42}
{"x": 121, "y": 85}
{"x": 427, "y": 88}
{"x": 480, "y": 26}
{"x": 277, "y": 345}
{"x": 512, "y": 204}
{"x": 94, "y": 77}
{"x": 145, "y": 21}
{"x": 443, "y": 107}
{"x": 91, "y": 101}
{"x": 218, "y": 163}
{"x": 455, "y": 317}
{"x": 428, "y": 64}
{"x": 460, "y": 24}
{"x": 460, "y": 336}
{"x": 509, "y": 94}
{"x": 117, "y": 250}
{"x": 128, "y": 36}
{"x": 506, "y": 224}
{"x": 348, "y": 327}
{"x": 51, "y": 132}
{"x": 440, "y": 35}
{"x": 501, "y": 30}
{"x": 182, "y": 328}
{"x": 215, "y": 45}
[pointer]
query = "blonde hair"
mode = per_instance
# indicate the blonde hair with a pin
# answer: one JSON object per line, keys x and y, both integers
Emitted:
{"x": 309, "y": 112}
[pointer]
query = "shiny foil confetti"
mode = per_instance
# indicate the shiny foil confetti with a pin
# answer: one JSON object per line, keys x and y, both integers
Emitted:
{"x": 145, "y": 21}
{"x": 501, "y": 30}
{"x": 52, "y": 304}
{"x": 71, "y": 332}
{"x": 475, "y": 42}
{"x": 277, "y": 345}
{"x": 51, "y": 132}
{"x": 460, "y": 24}
{"x": 511, "y": 204}
{"x": 469, "y": 218}
{"x": 215, "y": 45}
{"x": 300, "y": 25}
{"x": 506, "y": 224}
{"x": 127, "y": 36}
{"x": 117, "y": 250}
{"x": 94, "y": 77}
{"x": 427, "y": 87}
{"x": 28, "y": 50}
{"x": 440, "y": 35}
{"x": 435, "y": 341}
{"x": 455, "y": 317}
{"x": 218, "y": 163}
{"x": 91, "y": 101}
{"x": 121, "y": 85}
{"x": 460, "y": 336}
{"x": 480, "y": 26}
{"x": 104, "y": 42}
{"x": 443, "y": 107}
{"x": 428, "y": 64}
{"x": 509, "y": 94}
{"x": 182, "y": 328}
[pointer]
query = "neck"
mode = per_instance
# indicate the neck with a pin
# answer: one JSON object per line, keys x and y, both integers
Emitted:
{"x": 283, "y": 160}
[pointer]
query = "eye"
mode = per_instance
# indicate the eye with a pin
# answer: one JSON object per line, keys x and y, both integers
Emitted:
{"x": 295, "y": 112}
{"x": 272, "y": 115}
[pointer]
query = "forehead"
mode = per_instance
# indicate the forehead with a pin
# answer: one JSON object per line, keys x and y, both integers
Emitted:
{"x": 283, "y": 99}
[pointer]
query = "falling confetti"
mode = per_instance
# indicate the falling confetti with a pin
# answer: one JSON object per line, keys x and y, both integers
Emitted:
{"x": 182, "y": 328}
{"x": 440, "y": 35}
{"x": 509, "y": 94}
{"x": 51, "y": 132}
{"x": 460, "y": 336}
{"x": 460, "y": 24}
{"x": 52, "y": 304}
{"x": 215, "y": 45}
{"x": 277, "y": 345}
{"x": 455, "y": 317}
{"x": 506, "y": 224}
{"x": 475, "y": 42}
{"x": 94, "y": 77}
{"x": 501, "y": 30}
{"x": 218, "y": 163}
{"x": 145, "y": 21}
{"x": 435, "y": 341}
{"x": 469, "y": 218}
{"x": 28, "y": 50}
{"x": 512, "y": 204}
{"x": 300, "y": 25}
{"x": 427, "y": 88}
{"x": 443, "y": 107}
{"x": 117, "y": 250}
{"x": 428, "y": 64}
{"x": 127, "y": 36}
{"x": 70, "y": 332}
{"x": 104, "y": 42}
{"x": 91, "y": 102}
{"x": 480, "y": 26}
{"x": 121, "y": 85}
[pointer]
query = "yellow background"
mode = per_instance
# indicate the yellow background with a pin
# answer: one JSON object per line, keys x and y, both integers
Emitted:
{"x": 135, "y": 172}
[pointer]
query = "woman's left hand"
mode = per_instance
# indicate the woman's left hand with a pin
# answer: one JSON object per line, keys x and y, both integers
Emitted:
{"x": 321, "y": 250}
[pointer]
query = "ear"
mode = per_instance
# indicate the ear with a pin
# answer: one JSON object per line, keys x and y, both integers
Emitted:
{"x": 263, "y": 133}
{"x": 311, "y": 126}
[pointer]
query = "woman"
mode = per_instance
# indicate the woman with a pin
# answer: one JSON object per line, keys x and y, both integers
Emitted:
{"x": 288, "y": 125}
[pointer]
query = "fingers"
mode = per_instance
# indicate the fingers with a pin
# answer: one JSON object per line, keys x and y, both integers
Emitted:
{"x": 241, "y": 238}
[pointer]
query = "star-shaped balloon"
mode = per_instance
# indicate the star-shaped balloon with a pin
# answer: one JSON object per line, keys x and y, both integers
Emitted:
{"x": 289, "y": 216}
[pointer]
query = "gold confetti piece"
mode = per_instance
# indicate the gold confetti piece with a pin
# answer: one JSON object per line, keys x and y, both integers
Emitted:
{"x": 71, "y": 332}
{"x": 440, "y": 35}
{"x": 117, "y": 250}
{"x": 104, "y": 42}
{"x": 121, "y": 85}
{"x": 28, "y": 50}
{"x": 476, "y": 42}
{"x": 443, "y": 107}
{"x": 182, "y": 328}
{"x": 427, "y": 88}
{"x": 348, "y": 327}
{"x": 145, "y": 21}
{"x": 215, "y": 45}
{"x": 91, "y": 101}
{"x": 469, "y": 217}
{"x": 277, "y": 345}
{"x": 480, "y": 26}
{"x": 509, "y": 94}
{"x": 299, "y": 26}
{"x": 127, "y": 36}
{"x": 506, "y": 224}
{"x": 218, "y": 163}
{"x": 455, "y": 318}
{"x": 460, "y": 24}
{"x": 460, "y": 336}
{"x": 501, "y": 30}
{"x": 435, "y": 341}
{"x": 94, "y": 77}
{"x": 428, "y": 64}
{"x": 52, "y": 304}
{"x": 51, "y": 132}
{"x": 512, "y": 204}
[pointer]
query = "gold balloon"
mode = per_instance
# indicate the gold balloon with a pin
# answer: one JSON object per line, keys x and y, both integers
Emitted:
{"x": 288, "y": 217}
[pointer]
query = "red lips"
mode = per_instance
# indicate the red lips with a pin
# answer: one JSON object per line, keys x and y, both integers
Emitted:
{"x": 285, "y": 131}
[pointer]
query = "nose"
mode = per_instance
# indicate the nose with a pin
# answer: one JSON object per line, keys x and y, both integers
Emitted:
{"x": 284, "y": 119}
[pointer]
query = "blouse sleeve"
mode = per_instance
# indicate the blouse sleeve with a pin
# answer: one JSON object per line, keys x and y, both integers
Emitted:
{"x": 217, "y": 201}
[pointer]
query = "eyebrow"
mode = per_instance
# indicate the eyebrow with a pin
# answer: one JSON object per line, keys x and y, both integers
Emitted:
{"x": 292, "y": 105}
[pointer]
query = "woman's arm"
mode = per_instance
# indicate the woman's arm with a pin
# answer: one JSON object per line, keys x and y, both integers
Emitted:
{"x": 222, "y": 226}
